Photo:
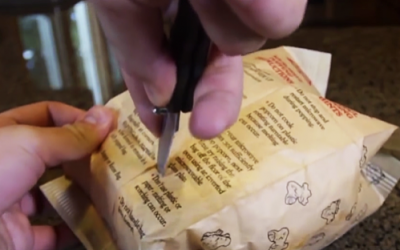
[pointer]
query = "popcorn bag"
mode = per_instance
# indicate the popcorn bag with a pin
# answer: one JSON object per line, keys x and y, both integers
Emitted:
{"x": 296, "y": 171}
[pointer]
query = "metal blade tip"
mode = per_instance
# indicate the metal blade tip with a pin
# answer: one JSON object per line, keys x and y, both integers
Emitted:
{"x": 161, "y": 170}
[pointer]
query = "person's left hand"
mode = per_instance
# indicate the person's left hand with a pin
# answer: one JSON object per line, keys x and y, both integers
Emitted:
{"x": 33, "y": 138}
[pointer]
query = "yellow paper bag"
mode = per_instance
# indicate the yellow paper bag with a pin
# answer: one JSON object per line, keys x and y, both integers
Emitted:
{"x": 294, "y": 172}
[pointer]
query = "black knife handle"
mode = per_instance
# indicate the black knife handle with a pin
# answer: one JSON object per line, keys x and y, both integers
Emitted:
{"x": 189, "y": 47}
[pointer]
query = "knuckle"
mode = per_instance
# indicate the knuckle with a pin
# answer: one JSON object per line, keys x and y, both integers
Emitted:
{"x": 32, "y": 138}
{"x": 78, "y": 133}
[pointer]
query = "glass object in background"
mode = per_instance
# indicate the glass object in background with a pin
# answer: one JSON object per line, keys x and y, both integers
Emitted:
{"x": 77, "y": 52}
{"x": 67, "y": 49}
{"x": 36, "y": 61}
{"x": 49, "y": 50}
{"x": 118, "y": 81}
{"x": 116, "y": 72}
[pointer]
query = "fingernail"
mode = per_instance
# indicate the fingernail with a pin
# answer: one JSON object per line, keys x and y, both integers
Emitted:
{"x": 96, "y": 115}
{"x": 151, "y": 94}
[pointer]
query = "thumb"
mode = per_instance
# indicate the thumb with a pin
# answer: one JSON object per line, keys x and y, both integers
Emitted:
{"x": 27, "y": 150}
{"x": 53, "y": 146}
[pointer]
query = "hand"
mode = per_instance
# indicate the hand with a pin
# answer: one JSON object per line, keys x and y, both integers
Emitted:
{"x": 134, "y": 28}
{"x": 33, "y": 138}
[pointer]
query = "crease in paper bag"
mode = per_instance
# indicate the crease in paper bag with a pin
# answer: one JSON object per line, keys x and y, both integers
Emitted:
{"x": 300, "y": 56}
{"x": 318, "y": 79}
{"x": 315, "y": 64}
{"x": 376, "y": 204}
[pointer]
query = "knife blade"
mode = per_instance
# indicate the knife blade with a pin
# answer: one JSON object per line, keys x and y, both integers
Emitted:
{"x": 189, "y": 46}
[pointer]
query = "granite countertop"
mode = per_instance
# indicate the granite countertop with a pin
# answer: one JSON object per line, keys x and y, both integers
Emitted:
{"x": 364, "y": 76}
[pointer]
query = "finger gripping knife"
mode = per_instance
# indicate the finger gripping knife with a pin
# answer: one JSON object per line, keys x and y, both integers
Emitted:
{"x": 189, "y": 46}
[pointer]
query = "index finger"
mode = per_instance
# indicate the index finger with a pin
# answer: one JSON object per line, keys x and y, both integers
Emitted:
{"x": 134, "y": 29}
{"x": 42, "y": 114}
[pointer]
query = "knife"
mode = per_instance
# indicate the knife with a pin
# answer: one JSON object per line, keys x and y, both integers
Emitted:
{"x": 189, "y": 46}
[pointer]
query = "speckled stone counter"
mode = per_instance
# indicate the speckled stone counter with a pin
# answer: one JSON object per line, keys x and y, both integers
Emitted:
{"x": 365, "y": 76}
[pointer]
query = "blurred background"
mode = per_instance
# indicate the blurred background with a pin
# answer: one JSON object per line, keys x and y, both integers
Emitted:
{"x": 54, "y": 49}
{"x": 58, "y": 52}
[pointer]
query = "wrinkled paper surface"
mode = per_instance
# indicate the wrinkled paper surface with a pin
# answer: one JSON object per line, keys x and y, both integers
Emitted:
{"x": 294, "y": 172}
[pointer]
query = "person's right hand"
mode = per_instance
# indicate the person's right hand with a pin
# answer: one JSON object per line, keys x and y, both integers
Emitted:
{"x": 134, "y": 28}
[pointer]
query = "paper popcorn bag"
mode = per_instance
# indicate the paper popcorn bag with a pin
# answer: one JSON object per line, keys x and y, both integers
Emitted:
{"x": 294, "y": 172}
